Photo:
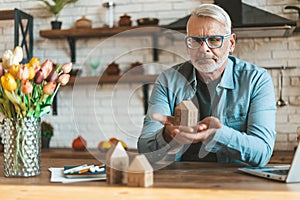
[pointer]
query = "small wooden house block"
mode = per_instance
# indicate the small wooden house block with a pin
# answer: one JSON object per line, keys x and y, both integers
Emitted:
{"x": 186, "y": 114}
{"x": 140, "y": 172}
{"x": 117, "y": 162}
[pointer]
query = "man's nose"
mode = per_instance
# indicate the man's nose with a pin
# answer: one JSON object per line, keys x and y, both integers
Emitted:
{"x": 204, "y": 46}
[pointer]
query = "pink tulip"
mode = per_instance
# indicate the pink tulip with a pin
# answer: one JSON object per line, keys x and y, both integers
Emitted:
{"x": 67, "y": 67}
{"x": 53, "y": 76}
{"x": 23, "y": 73}
{"x": 1, "y": 70}
{"x": 47, "y": 67}
{"x": 26, "y": 87}
{"x": 49, "y": 88}
{"x": 39, "y": 77}
{"x": 64, "y": 79}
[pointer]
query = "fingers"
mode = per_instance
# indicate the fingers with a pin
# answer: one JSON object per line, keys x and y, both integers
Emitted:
{"x": 165, "y": 120}
{"x": 187, "y": 129}
{"x": 210, "y": 122}
{"x": 201, "y": 127}
{"x": 188, "y": 135}
{"x": 188, "y": 138}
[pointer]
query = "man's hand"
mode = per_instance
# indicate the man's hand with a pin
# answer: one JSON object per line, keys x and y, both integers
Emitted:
{"x": 187, "y": 135}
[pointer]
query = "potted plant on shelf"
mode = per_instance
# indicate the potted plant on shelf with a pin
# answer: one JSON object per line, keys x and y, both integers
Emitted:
{"x": 55, "y": 6}
{"x": 47, "y": 132}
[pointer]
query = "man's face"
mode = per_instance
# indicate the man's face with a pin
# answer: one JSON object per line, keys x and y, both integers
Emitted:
{"x": 207, "y": 59}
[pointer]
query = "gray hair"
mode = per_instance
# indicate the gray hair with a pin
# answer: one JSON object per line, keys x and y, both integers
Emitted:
{"x": 215, "y": 12}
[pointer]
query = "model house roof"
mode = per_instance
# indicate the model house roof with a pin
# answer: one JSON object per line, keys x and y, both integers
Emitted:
{"x": 140, "y": 164}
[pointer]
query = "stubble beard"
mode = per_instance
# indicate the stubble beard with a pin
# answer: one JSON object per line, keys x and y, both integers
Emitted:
{"x": 208, "y": 64}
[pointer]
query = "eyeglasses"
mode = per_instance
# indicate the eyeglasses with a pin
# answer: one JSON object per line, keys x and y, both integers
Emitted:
{"x": 213, "y": 42}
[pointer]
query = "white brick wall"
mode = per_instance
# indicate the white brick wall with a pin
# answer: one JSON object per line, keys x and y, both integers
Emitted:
{"x": 117, "y": 111}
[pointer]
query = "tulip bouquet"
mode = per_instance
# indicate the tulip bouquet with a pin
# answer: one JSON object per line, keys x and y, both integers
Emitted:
{"x": 28, "y": 90}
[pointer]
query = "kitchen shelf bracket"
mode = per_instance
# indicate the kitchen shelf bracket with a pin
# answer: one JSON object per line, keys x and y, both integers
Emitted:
{"x": 72, "y": 45}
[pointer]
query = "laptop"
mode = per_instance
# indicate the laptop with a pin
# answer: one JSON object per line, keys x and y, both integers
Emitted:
{"x": 284, "y": 173}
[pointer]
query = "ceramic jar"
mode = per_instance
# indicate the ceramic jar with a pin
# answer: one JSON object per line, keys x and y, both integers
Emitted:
{"x": 113, "y": 69}
{"x": 125, "y": 20}
{"x": 83, "y": 23}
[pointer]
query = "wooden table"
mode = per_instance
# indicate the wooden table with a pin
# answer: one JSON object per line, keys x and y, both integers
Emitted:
{"x": 183, "y": 180}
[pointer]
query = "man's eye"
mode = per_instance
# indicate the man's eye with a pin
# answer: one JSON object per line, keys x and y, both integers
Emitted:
{"x": 197, "y": 40}
{"x": 214, "y": 39}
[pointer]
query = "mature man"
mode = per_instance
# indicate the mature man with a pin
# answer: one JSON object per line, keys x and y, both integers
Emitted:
{"x": 236, "y": 100}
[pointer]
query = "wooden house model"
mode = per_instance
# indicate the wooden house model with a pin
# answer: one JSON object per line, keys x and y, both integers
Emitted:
{"x": 186, "y": 114}
{"x": 140, "y": 172}
{"x": 117, "y": 162}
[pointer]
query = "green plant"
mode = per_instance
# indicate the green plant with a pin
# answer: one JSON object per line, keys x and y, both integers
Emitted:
{"x": 55, "y": 6}
{"x": 46, "y": 129}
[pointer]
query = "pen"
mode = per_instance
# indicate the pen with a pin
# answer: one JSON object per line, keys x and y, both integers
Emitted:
{"x": 75, "y": 169}
{"x": 84, "y": 171}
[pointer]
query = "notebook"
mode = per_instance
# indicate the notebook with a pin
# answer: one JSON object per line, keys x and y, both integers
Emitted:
{"x": 284, "y": 173}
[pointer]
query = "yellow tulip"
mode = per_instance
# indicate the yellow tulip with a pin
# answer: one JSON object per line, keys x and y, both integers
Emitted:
{"x": 31, "y": 72}
{"x": 8, "y": 82}
{"x": 34, "y": 62}
{"x": 13, "y": 70}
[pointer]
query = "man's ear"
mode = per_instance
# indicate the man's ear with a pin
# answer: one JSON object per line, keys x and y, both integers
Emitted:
{"x": 187, "y": 50}
{"x": 232, "y": 43}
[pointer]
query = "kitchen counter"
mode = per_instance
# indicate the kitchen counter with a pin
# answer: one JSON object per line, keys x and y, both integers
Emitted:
{"x": 190, "y": 180}
{"x": 281, "y": 157}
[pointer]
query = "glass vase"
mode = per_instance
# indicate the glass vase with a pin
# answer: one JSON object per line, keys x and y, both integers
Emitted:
{"x": 22, "y": 147}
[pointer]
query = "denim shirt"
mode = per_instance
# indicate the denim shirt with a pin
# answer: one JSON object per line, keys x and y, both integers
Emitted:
{"x": 246, "y": 109}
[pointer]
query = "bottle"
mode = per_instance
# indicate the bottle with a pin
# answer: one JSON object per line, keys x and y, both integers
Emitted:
{"x": 110, "y": 18}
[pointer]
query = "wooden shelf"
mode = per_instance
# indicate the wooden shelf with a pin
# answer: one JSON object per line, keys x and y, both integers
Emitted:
{"x": 73, "y": 34}
{"x": 98, "y": 32}
{"x": 7, "y": 14}
{"x": 111, "y": 79}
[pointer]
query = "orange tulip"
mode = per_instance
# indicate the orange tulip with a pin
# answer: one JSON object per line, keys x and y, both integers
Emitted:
{"x": 26, "y": 87}
{"x": 49, "y": 88}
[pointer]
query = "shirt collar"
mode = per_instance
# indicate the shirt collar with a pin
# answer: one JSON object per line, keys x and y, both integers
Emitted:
{"x": 188, "y": 71}
{"x": 227, "y": 78}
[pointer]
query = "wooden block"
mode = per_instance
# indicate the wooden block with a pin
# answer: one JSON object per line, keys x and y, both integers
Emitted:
{"x": 117, "y": 162}
{"x": 140, "y": 172}
{"x": 186, "y": 114}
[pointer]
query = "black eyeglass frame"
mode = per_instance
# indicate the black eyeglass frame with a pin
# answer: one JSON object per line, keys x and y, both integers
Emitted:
{"x": 204, "y": 39}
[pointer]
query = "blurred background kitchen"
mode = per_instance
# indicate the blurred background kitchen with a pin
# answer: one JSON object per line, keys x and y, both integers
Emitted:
{"x": 117, "y": 110}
